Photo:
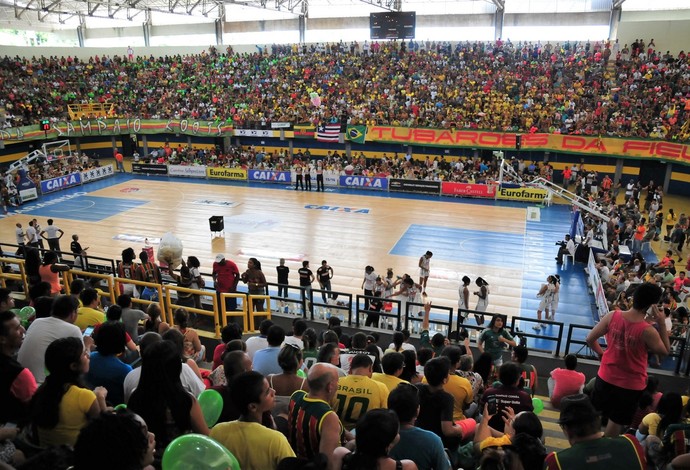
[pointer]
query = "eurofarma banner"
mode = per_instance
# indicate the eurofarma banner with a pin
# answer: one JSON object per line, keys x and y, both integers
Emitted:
{"x": 522, "y": 194}
{"x": 98, "y": 127}
{"x": 226, "y": 173}
{"x": 467, "y": 138}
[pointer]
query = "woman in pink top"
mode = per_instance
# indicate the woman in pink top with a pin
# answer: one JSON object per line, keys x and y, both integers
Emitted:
{"x": 630, "y": 335}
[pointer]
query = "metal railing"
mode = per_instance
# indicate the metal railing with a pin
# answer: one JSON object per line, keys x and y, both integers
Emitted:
{"x": 385, "y": 312}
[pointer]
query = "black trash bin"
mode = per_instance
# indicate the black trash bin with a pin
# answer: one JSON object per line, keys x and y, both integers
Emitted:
{"x": 216, "y": 223}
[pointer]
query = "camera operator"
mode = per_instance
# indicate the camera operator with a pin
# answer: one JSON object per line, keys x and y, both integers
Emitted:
{"x": 567, "y": 247}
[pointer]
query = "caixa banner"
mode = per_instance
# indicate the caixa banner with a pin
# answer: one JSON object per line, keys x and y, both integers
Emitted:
{"x": 366, "y": 182}
{"x": 61, "y": 182}
{"x": 269, "y": 176}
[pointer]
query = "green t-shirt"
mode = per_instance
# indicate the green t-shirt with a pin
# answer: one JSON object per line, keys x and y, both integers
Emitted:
{"x": 489, "y": 338}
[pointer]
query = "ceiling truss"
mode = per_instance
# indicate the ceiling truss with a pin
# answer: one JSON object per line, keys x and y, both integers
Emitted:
{"x": 47, "y": 11}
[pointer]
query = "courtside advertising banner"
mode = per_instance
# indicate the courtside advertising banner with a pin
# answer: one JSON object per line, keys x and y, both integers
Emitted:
{"x": 269, "y": 176}
{"x": 149, "y": 169}
{"x": 93, "y": 174}
{"x": 195, "y": 171}
{"x": 468, "y": 190}
{"x": 364, "y": 182}
{"x": 415, "y": 186}
{"x": 61, "y": 182}
{"x": 238, "y": 174}
{"x": 522, "y": 194}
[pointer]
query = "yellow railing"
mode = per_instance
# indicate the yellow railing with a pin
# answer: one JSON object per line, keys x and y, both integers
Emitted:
{"x": 209, "y": 313}
{"x": 242, "y": 312}
{"x": 89, "y": 110}
{"x": 120, "y": 281}
{"x": 253, "y": 314}
{"x": 21, "y": 276}
{"x": 110, "y": 294}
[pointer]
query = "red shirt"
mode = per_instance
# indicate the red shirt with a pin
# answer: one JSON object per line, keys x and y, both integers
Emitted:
{"x": 624, "y": 363}
{"x": 225, "y": 276}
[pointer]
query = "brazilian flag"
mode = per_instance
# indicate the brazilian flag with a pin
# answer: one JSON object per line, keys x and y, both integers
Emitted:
{"x": 356, "y": 134}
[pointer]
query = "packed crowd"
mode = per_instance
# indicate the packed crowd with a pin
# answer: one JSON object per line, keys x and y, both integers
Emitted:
{"x": 302, "y": 399}
{"x": 597, "y": 88}
{"x": 463, "y": 169}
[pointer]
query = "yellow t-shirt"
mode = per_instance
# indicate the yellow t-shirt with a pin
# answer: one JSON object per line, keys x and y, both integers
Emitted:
{"x": 356, "y": 395}
{"x": 461, "y": 389}
{"x": 504, "y": 440}
{"x": 74, "y": 407}
{"x": 390, "y": 381}
{"x": 87, "y": 316}
{"x": 255, "y": 446}
{"x": 652, "y": 421}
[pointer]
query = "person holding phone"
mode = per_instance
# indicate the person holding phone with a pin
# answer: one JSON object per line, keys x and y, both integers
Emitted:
{"x": 507, "y": 393}
{"x": 631, "y": 335}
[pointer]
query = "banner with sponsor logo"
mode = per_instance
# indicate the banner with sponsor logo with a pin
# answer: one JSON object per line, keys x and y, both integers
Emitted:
{"x": 522, "y": 194}
{"x": 195, "y": 171}
{"x": 61, "y": 182}
{"x": 365, "y": 182}
{"x": 469, "y": 190}
{"x": 97, "y": 126}
{"x": 149, "y": 168}
{"x": 226, "y": 173}
{"x": 269, "y": 176}
{"x": 415, "y": 186}
{"x": 587, "y": 145}
{"x": 255, "y": 133}
{"x": 98, "y": 173}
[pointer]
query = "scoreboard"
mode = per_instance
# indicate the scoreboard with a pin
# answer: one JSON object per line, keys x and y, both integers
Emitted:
{"x": 392, "y": 25}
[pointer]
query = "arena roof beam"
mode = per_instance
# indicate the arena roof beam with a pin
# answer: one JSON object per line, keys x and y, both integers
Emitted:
{"x": 190, "y": 7}
{"x": 19, "y": 10}
{"x": 617, "y": 3}
{"x": 500, "y": 4}
{"x": 390, "y": 5}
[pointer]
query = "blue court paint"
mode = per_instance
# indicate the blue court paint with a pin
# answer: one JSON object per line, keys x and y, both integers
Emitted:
{"x": 87, "y": 208}
{"x": 458, "y": 244}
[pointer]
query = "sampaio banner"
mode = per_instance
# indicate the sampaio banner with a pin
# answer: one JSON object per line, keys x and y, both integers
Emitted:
{"x": 467, "y": 138}
{"x": 98, "y": 127}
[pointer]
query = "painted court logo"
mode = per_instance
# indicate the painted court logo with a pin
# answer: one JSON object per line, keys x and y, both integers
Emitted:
{"x": 351, "y": 210}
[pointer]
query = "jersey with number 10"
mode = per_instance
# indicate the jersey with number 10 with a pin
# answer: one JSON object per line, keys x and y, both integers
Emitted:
{"x": 356, "y": 395}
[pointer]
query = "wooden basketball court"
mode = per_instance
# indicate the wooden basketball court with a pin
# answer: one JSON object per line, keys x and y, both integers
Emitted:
{"x": 349, "y": 229}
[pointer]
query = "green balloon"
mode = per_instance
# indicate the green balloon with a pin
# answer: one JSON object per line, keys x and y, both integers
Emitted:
{"x": 538, "y": 405}
{"x": 121, "y": 406}
{"x": 198, "y": 452}
{"x": 27, "y": 311}
{"x": 211, "y": 403}
{"x": 301, "y": 374}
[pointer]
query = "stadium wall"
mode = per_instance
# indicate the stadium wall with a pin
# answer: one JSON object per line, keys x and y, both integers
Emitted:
{"x": 102, "y": 147}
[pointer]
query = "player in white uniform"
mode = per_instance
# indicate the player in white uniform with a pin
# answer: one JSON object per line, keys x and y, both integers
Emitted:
{"x": 546, "y": 294}
{"x": 464, "y": 298}
{"x": 424, "y": 270}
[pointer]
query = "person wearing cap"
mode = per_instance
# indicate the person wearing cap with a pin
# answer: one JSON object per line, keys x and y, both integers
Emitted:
{"x": 631, "y": 335}
{"x": 225, "y": 279}
{"x": 589, "y": 448}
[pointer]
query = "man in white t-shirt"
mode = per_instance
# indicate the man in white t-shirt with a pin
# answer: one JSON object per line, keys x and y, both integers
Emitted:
{"x": 53, "y": 234}
{"x": 256, "y": 343}
{"x": 44, "y": 331}
{"x": 32, "y": 235}
{"x": 298, "y": 328}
